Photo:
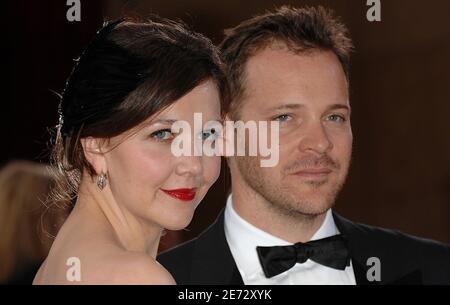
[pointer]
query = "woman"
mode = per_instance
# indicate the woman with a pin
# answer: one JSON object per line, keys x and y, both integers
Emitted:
{"x": 114, "y": 148}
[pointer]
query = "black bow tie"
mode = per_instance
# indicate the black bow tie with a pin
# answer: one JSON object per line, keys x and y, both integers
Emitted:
{"x": 331, "y": 252}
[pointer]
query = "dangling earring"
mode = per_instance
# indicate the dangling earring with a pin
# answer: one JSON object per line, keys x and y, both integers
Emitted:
{"x": 101, "y": 181}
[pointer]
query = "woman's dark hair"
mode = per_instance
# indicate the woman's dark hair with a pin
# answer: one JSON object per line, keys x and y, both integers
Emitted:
{"x": 131, "y": 70}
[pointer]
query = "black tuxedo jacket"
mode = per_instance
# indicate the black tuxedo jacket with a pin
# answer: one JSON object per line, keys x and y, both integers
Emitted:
{"x": 207, "y": 259}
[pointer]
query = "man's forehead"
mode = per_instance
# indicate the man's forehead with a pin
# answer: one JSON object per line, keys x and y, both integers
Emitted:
{"x": 276, "y": 76}
{"x": 271, "y": 60}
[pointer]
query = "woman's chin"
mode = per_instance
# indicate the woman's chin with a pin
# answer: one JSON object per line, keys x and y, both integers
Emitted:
{"x": 178, "y": 223}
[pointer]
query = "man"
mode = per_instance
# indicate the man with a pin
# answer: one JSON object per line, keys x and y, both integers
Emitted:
{"x": 278, "y": 226}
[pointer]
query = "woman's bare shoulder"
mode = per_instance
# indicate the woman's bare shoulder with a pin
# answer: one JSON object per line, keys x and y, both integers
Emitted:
{"x": 128, "y": 268}
{"x": 106, "y": 264}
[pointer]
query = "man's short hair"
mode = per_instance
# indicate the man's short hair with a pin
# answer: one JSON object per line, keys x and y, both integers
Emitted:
{"x": 300, "y": 29}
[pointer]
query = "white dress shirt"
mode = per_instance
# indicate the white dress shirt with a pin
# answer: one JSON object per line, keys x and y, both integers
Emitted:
{"x": 243, "y": 238}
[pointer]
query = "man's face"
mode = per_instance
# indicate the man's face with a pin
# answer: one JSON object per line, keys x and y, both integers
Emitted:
{"x": 308, "y": 95}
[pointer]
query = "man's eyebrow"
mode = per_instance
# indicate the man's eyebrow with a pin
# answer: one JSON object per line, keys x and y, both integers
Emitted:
{"x": 172, "y": 121}
{"x": 286, "y": 106}
{"x": 298, "y": 106}
{"x": 339, "y": 106}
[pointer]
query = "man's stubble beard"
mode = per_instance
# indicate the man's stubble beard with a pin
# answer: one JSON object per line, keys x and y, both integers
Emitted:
{"x": 282, "y": 199}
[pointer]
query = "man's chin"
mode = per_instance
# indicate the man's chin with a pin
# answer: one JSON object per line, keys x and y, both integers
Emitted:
{"x": 312, "y": 204}
{"x": 315, "y": 210}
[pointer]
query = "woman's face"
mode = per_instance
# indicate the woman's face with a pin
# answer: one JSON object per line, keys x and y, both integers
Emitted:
{"x": 148, "y": 180}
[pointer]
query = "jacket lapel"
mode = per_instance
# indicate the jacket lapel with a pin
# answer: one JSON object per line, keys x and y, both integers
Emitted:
{"x": 348, "y": 229}
{"x": 213, "y": 262}
{"x": 363, "y": 246}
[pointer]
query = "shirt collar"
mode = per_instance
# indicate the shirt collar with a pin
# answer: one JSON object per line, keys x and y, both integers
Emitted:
{"x": 243, "y": 238}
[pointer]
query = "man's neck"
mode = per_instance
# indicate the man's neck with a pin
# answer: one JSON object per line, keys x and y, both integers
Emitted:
{"x": 253, "y": 208}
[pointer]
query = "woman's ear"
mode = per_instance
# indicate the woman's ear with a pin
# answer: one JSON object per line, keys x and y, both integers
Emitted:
{"x": 92, "y": 148}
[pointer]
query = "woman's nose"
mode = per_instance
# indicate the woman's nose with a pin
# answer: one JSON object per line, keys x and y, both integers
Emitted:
{"x": 189, "y": 165}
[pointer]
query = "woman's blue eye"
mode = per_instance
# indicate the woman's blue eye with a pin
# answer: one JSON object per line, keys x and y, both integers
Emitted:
{"x": 208, "y": 134}
{"x": 282, "y": 118}
{"x": 336, "y": 118}
{"x": 163, "y": 134}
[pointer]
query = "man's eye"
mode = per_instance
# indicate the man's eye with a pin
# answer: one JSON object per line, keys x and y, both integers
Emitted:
{"x": 282, "y": 118}
{"x": 336, "y": 118}
{"x": 162, "y": 135}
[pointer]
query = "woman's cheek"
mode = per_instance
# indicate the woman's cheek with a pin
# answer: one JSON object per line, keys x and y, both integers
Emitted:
{"x": 211, "y": 169}
{"x": 152, "y": 164}
{"x": 157, "y": 167}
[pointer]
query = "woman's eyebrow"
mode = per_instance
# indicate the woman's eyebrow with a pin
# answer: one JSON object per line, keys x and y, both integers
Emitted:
{"x": 215, "y": 119}
{"x": 161, "y": 121}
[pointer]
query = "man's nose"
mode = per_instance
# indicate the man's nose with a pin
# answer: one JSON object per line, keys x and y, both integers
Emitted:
{"x": 315, "y": 139}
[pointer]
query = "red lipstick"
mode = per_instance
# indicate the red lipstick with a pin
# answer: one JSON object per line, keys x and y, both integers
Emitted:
{"x": 183, "y": 194}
